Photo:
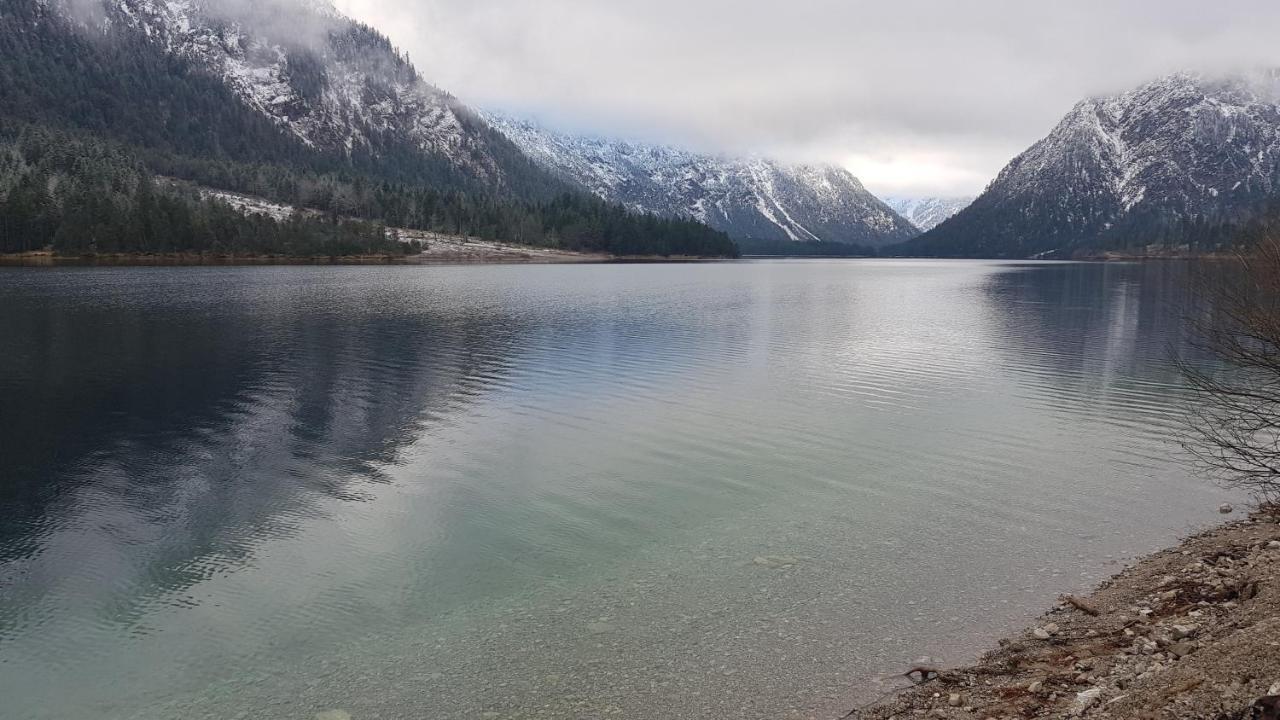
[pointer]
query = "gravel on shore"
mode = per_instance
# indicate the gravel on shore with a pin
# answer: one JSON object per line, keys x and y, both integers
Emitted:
{"x": 1189, "y": 632}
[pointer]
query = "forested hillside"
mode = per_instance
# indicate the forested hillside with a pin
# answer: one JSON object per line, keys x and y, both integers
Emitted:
{"x": 139, "y": 100}
{"x": 80, "y": 195}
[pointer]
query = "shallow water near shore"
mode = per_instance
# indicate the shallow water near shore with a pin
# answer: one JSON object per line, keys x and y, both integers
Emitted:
{"x": 711, "y": 490}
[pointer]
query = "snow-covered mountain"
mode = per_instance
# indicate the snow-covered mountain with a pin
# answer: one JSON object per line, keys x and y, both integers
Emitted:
{"x": 750, "y": 199}
{"x": 335, "y": 84}
{"x": 927, "y": 213}
{"x": 1152, "y": 165}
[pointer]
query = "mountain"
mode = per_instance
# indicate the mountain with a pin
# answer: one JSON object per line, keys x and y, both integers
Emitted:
{"x": 332, "y": 85}
{"x": 286, "y": 100}
{"x": 1179, "y": 161}
{"x": 753, "y": 200}
{"x": 927, "y": 213}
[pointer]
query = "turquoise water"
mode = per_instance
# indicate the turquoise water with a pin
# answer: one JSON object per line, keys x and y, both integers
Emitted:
{"x": 741, "y": 489}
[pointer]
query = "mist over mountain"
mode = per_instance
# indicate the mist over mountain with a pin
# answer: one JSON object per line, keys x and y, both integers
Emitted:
{"x": 751, "y": 199}
{"x": 334, "y": 85}
{"x": 1181, "y": 162}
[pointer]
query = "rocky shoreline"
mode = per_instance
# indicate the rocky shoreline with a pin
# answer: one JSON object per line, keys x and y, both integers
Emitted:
{"x": 1189, "y": 632}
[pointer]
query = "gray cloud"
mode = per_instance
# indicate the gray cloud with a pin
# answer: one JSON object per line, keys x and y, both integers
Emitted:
{"x": 914, "y": 96}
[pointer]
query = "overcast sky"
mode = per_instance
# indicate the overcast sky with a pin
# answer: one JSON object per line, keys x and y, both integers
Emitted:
{"x": 914, "y": 97}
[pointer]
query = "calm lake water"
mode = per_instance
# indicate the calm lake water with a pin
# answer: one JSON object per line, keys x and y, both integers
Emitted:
{"x": 638, "y": 491}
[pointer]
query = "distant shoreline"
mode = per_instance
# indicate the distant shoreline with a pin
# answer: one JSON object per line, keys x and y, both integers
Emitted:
{"x": 481, "y": 254}
{"x": 514, "y": 255}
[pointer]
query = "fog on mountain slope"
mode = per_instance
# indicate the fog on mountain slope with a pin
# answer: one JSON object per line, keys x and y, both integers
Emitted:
{"x": 1178, "y": 164}
{"x": 750, "y": 199}
{"x": 333, "y": 83}
{"x": 286, "y": 100}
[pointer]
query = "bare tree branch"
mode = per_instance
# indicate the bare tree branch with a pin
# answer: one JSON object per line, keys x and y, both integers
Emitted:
{"x": 1234, "y": 422}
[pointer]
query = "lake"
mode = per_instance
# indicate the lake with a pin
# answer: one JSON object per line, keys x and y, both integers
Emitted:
{"x": 745, "y": 489}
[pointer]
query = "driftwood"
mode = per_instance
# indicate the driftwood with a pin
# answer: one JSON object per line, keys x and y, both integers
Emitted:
{"x": 926, "y": 672}
{"x": 1082, "y": 605}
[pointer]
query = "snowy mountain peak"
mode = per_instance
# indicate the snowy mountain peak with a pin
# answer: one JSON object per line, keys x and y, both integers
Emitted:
{"x": 1132, "y": 168}
{"x": 749, "y": 198}
{"x": 927, "y": 213}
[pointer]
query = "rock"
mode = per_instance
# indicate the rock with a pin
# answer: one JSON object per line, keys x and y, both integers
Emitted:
{"x": 1052, "y": 628}
{"x": 1182, "y": 649}
{"x": 1035, "y": 687}
{"x": 774, "y": 561}
{"x": 1041, "y": 633}
{"x": 1266, "y": 708}
{"x": 955, "y": 700}
{"x": 1226, "y": 509}
{"x": 333, "y": 715}
{"x": 1088, "y": 697}
{"x": 1181, "y": 632}
{"x": 1274, "y": 689}
{"x": 1273, "y": 545}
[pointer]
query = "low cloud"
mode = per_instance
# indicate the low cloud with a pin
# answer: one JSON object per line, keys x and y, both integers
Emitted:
{"x": 915, "y": 96}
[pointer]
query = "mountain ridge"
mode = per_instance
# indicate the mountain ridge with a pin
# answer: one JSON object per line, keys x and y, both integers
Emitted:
{"x": 1181, "y": 160}
{"x": 334, "y": 85}
{"x": 927, "y": 212}
{"x": 751, "y": 199}
{"x": 276, "y": 99}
